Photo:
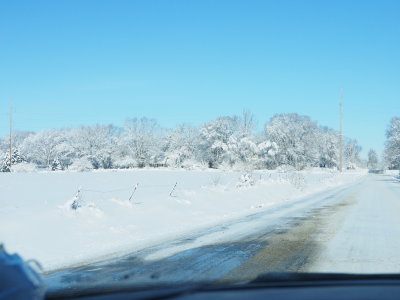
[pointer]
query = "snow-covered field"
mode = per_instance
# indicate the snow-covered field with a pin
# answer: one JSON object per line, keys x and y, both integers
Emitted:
{"x": 36, "y": 219}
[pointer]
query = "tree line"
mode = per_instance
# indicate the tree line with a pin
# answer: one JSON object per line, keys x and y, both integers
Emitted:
{"x": 392, "y": 146}
{"x": 228, "y": 142}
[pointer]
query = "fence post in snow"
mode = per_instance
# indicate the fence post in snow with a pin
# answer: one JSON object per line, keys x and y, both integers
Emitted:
{"x": 173, "y": 189}
{"x": 134, "y": 191}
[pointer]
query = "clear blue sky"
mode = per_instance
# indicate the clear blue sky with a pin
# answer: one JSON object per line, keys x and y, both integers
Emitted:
{"x": 67, "y": 63}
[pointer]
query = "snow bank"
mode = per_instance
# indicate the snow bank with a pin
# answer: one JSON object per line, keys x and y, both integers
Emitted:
{"x": 36, "y": 219}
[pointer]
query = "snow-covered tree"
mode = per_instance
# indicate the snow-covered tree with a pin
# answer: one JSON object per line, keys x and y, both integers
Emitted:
{"x": 328, "y": 145}
{"x": 241, "y": 151}
{"x": 18, "y": 138}
{"x": 16, "y": 158}
{"x": 392, "y": 146}
{"x": 352, "y": 152}
{"x": 296, "y": 137}
{"x": 181, "y": 145}
{"x": 96, "y": 144}
{"x": 5, "y": 165}
{"x": 141, "y": 140}
{"x": 247, "y": 123}
{"x": 226, "y": 142}
{"x": 372, "y": 159}
{"x": 216, "y": 138}
{"x": 56, "y": 165}
{"x": 43, "y": 147}
{"x": 243, "y": 146}
{"x": 267, "y": 151}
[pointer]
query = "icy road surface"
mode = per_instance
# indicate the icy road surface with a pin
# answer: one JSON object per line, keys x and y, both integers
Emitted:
{"x": 364, "y": 237}
{"x": 352, "y": 228}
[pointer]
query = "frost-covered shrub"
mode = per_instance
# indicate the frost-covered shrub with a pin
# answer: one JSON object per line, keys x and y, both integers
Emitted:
{"x": 157, "y": 160}
{"x": 192, "y": 164}
{"x": 125, "y": 163}
{"x": 297, "y": 180}
{"x": 5, "y": 167}
{"x": 216, "y": 181}
{"x": 75, "y": 202}
{"x": 225, "y": 166}
{"x": 81, "y": 165}
{"x": 245, "y": 180}
{"x": 56, "y": 165}
{"x": 351, "y": 166}
{"x": 243, "y": 167}
{"x": 24, "y": 167}
{"x": 266, "y": 155}
{"x": 285, "y": 169}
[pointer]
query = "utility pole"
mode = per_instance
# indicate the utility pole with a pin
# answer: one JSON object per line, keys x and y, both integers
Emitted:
{"x": 10, "y": 136}
{"x": 341, "y": 132}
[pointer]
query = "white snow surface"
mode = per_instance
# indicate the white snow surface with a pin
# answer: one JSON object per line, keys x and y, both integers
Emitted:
{"x": 37, "y": 222}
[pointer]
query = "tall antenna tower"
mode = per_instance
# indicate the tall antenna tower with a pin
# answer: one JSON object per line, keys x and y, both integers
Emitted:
{"x": 341, "y": 132}
{"x": 10, "y": 136}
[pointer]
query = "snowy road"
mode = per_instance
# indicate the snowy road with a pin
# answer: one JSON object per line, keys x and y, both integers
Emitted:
{"x": 352, "y": 228}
